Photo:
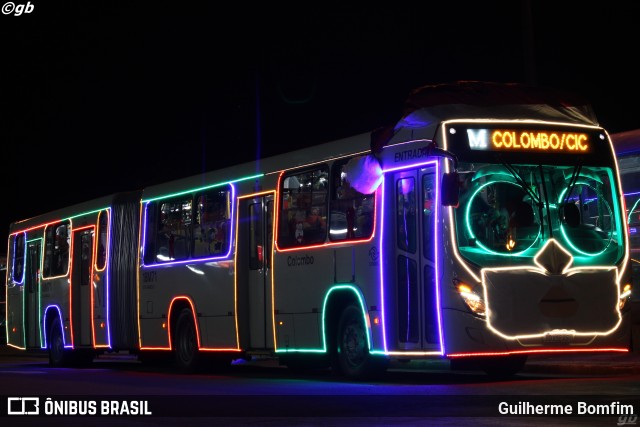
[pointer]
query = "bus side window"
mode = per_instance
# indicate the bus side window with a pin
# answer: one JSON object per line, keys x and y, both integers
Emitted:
{"x": 57, "y": 243}
{"x": 304, "y": 208}
{"x": 351, "y": 215}
{"x": 61, "y": 250}
{"x": 211, "y": 228}
{"x": 18, "y": 257}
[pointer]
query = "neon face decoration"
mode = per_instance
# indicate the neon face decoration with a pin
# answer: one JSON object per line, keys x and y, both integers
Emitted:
{"x": 508, "y": 243}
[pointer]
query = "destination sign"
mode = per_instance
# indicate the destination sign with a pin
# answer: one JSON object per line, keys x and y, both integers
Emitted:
{"x": 527, "y": 140}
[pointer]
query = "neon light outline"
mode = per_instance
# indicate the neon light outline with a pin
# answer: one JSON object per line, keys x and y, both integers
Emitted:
{"x": 564, "y": 233}
{"x": 69, "y": 231}
{"x": 39, "y": 291}
{"x": 441, "y": 351}
{"x": 466, "y": 218}
{"x": 6, "y": 295}
{"x": 327, "y": 242}
{"x": 540, "y": 350}
{"x": 191, "y": 260}
{"x": 363, "y": 311}
{"x": 44, "y": 318}
{"x": 463, "y": 263}
{"x": 91, "y": 298}
{"x": 195, "y": 322}
{"x": 107, "y": 285}
{"x": 444, "y": 134}
{"x": 632, "y": 210}
{"x": 196, "y": 189}
{"x": 24, "y": 259}
{"x": 567, "y": 270}
{"x": 235, "y": 275}
{"x": 381, "y": 273}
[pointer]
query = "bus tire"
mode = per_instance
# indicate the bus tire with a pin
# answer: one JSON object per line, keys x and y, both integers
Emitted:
{"x": 58, "y": 355}
{"x": 353, "y": 358}
{"x": 185, "y": 343}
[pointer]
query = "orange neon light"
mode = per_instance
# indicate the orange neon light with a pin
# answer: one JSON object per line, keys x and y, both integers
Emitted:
{"x": 195, "y": 322}
{"x": 193, "y": 312}
{"x": 523, "y": 140}
{"x": 35, "y": 227}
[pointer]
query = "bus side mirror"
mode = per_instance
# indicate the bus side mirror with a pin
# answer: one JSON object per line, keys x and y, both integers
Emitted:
{"x": 450, "y": 189}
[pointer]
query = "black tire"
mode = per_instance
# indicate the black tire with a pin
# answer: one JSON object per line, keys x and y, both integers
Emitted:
{"x": 353, "y": 358}
{"x": 185, "y": 343}
{"x": 503, "y": 367}
{"x": 58, "y": 355}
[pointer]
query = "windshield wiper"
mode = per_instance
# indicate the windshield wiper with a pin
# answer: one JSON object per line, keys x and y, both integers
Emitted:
{"x": 513, "y": 171}
{"x": 572, "y": 182}
{"x": 546, "y": 202}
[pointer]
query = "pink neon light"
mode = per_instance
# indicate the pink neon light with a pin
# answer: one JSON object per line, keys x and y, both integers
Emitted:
{"x": 546, "y": 350}
{"x": 71, "y": 256}
{"x": 436, "y": 259}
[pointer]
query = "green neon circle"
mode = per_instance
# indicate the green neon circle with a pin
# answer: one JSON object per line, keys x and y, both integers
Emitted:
{"x": 631, "y": 211}
{"x": 469, "y": 224}
{"x": 564, "y": 233}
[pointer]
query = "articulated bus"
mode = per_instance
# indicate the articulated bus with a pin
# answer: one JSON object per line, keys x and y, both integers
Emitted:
{"x": 479, "y": 232}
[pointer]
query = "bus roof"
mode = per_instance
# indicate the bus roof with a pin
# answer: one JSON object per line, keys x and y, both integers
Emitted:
{"x": 427, "y": 106}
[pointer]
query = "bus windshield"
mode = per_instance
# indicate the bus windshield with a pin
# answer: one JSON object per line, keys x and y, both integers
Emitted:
{"x": 507, "y": 212}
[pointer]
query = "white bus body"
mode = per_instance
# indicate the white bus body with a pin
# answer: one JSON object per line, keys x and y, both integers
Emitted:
{"x": 339, "y": 255}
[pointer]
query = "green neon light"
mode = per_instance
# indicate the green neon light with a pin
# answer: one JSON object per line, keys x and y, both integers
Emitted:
{"x": 474, "y": 236}
{"x": 86, "y": 213}
{"x": 633, "y": 209}
{"x": 564, "y": 234}
{"x": 362, "y": 310}
{"x": 617, "y": 208}
{"x": 356, "y": 291}
{"x": 493, "y": 171}
{"x": 219, "y": 184}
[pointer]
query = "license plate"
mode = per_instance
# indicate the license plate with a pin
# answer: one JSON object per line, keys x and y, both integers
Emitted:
{"x": 558, "y": 338}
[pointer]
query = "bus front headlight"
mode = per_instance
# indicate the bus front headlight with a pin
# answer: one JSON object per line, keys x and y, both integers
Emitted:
{"x": 472, "y": 299}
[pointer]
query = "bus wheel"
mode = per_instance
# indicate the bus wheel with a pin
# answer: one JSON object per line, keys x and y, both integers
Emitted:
{"x": 58, "y": 355}
{"x": 353, "y": 357}
{"x": 187, "y": 355}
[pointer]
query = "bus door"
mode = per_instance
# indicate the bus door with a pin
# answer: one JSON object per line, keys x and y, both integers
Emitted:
{"x": 81, "y": 286}
{"x": 32, "y": 294}
{"x": 260, "y": 236}
{"x": 414, "y": 262}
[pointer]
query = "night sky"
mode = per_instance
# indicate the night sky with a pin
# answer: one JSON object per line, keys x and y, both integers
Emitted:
{"x": 105, "y": 96}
